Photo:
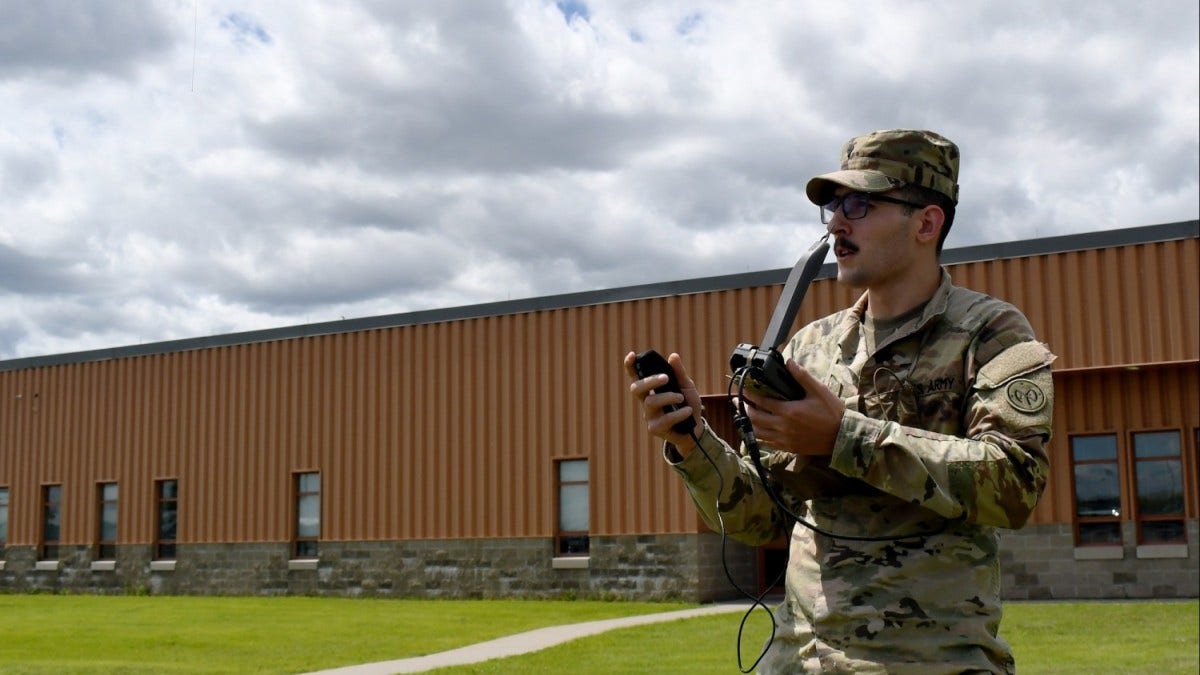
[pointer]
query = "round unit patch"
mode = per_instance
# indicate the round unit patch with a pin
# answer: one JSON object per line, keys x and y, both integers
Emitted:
{"x": 1025, "y": 396}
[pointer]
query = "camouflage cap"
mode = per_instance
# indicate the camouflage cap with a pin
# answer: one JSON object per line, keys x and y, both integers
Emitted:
{"x": 885, "y": 160}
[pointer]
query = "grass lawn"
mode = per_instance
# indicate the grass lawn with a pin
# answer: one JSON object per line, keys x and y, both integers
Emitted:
{"x": 63, "y": 634}
{"x": 91, "y": 634}
{"x": 1148, "y": 638}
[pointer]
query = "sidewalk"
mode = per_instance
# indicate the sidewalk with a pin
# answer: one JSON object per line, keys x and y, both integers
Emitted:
{"x": 523, "y": 643}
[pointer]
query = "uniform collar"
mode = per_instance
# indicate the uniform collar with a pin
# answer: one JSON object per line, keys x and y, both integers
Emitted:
{"x": 850, "y": 329}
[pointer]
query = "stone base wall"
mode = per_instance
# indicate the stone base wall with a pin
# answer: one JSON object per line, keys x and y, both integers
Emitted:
{"x": 1041, "y": 563}
{"x": 673, "y": 567}
{"x": 649, "y": 567}
{"x": 1037, "y": 563}
{"x": 22, "y": 572}
{"x": 713, "y": 581}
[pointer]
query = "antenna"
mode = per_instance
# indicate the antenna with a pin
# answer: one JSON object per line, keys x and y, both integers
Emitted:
{"x": 798, "y": 280}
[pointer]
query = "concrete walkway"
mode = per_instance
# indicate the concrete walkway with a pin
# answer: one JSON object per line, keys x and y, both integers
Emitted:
{"x": 523, "y": 643}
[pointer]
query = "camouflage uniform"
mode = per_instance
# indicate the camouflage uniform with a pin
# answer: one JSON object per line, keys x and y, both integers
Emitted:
{"x": 942, "y": 442}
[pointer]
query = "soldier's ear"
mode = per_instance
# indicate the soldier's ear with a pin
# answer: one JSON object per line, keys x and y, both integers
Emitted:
{"x": 930, "y": 221}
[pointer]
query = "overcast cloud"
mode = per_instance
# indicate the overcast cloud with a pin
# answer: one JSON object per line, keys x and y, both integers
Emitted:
{"x": 182, "y": 168}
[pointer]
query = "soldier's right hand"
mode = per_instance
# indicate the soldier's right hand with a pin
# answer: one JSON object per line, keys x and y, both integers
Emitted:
{"x": 659, "y": 422}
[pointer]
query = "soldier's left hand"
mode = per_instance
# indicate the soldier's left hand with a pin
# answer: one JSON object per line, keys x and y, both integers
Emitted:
{"x": 805, "y": 427}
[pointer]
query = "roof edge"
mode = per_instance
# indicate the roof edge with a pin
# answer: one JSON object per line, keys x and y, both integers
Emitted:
{"x": 1016, "y": 249}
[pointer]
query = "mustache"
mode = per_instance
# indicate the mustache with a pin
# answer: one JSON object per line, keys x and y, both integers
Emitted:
{"x": 842, "y": 242}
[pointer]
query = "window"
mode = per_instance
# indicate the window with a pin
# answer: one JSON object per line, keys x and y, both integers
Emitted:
{"x": 3, "y": 520}
{"x": 106, "y": 525}
{"x": 572, "y": 538}
{"x": 1158, "y": 470}
{"x": 167, "y": 517}
{"x": 308, "y": 515}
{"x": 1097, "y": 490}
{"x": 51, "y": 521}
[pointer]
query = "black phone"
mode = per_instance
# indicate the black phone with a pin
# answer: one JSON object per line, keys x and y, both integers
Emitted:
{"x": 650, "y": 363}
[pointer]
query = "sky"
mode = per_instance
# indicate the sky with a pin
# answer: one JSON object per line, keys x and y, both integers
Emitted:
{"x": 183, "y": 168}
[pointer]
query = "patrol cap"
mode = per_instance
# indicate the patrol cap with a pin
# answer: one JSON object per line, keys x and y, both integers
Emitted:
{"x": 885, "y": 160}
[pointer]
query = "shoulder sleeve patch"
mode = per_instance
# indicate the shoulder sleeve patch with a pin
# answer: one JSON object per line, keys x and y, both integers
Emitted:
{"x": 1025, "y": 395}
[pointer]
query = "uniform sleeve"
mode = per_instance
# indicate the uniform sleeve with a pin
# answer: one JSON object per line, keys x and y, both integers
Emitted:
{"x": 716, "y": 474}
{"x": 995, "y": 473}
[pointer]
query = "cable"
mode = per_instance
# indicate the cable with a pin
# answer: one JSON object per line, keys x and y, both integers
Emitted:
{"x": 741, "y": 420}
{"x": 756, "y": 601}
{"x": 745, "y": 429}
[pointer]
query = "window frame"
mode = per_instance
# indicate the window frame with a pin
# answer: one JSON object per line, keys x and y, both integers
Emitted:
{"x": 5, "y": 500}
{"x": 165, "y": 548}
{"x": 106, "y": 549}
{"x": 1078, "y": 521}
{"x": 1192, "y": 490}
{"x": 305, "y": 547}
{"x": 1136, "y": 501}
{"x": 49, "y": 549}
{"x": 563, "y": 538}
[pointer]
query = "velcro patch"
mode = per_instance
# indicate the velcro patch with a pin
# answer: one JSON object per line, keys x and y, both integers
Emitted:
{"x": 1019, "y": 359}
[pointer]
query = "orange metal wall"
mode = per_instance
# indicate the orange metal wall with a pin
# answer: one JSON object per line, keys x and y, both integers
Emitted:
{"x": 1123, "y": 402}
{"x": 450, "y": 429}
{"x": 1120, "y": 306}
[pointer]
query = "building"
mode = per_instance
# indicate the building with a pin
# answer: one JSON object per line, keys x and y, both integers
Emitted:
{"x": 492, "y": 450}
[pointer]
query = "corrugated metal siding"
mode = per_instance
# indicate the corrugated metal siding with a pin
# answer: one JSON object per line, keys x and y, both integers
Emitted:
{"x": 1122, "y": 402}
{"x": 1105, "y": 307}
{"x": 449, "y": 429}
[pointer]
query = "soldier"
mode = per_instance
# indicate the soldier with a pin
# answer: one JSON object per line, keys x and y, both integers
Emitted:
{"x": 924, "y": 430}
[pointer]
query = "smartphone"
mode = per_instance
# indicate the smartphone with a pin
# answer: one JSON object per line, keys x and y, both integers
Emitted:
{"x": 650, "y": 363}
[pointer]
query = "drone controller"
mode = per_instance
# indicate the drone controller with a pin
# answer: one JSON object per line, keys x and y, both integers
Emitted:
{"x": 761, "y": 369}
{"x": 765, "y": 372}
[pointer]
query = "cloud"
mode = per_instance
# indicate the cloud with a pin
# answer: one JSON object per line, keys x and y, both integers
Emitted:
{"x": 27, "y": 275}
{"x": 174, "y": 169}
{"x": 65, "y": 40}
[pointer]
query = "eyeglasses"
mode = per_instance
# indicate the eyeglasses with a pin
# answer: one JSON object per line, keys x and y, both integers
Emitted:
{"x": 854, "y": 205}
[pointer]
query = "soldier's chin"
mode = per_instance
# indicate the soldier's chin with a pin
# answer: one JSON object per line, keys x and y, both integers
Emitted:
{"x": 848, "y": 274}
